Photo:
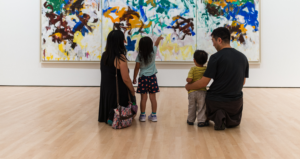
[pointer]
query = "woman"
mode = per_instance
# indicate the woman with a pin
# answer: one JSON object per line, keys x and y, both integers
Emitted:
{"x": 114, "y": 57}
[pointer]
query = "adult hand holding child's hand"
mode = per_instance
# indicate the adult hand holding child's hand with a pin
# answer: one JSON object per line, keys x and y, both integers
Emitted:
{"x": 186, "y": 87}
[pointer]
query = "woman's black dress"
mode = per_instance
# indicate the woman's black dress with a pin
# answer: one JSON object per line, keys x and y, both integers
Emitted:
{"x": 108, "y": 93}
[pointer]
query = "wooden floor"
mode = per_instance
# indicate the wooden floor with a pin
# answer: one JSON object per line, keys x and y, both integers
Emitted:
{"x": 59, "y": 122}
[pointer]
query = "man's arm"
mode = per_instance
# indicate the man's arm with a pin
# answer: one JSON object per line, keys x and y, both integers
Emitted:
{"x": 244, "y": 81}
{"x": 203, "y": 82}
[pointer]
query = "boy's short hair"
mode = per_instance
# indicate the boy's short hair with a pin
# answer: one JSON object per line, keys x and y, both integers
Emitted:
{"x": 201, "y": 57}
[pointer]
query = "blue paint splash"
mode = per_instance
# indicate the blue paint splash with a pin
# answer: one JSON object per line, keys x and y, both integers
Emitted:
{"x": 130, "y": 44}
{"x": 143, "y": 14}
{"x": 113, "y": 11}
{"x": 193, "y": 33}
{"x": 83, "y": 30}
{"x": 172, "y": 23}
{"x": 183, "y": 13}
{"x": 67, "y": 1}
{"x": 251, "y": 17}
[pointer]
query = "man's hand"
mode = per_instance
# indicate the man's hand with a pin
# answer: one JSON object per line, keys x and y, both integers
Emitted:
{"x": 134, "y": 81}
{"x": 187, "y": 87}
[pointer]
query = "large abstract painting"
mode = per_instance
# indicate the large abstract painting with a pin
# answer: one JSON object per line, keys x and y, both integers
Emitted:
{"x": 241, "y": 17}
{"x": 76, "y": 30}
{"x": 175, "y": 20}
{"x": 71, "y": 30}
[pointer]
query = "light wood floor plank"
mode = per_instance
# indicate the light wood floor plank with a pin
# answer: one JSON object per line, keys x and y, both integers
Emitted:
{"x": 61, "y": 123}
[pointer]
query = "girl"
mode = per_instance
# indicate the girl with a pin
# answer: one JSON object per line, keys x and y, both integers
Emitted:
{"x": 145, "y": 62}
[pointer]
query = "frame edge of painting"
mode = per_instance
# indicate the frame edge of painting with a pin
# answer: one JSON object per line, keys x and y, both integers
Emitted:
{"x": 55, "y": 61}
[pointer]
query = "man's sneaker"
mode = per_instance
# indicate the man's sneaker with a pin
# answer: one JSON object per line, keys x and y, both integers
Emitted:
{"x": 152, "y": 117}
{"x": 143, "y": 117}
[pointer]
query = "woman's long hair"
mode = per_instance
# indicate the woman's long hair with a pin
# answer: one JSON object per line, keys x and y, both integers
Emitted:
{"x": 114, "y": 48}
{"x": 145, "y": 49}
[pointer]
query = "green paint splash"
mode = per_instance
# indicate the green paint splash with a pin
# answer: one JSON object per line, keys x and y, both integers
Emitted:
{"x": 208, "y": 22}
{"x": 57, "y": 5}
{"x": 164, "y": 6}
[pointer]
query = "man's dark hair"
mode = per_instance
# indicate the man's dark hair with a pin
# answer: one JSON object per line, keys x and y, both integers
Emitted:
{"x": 201, "y": 57}
{"x": 222, "y": 33}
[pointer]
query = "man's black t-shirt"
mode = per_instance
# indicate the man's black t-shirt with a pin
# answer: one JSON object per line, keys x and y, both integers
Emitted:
{"x": 227, "y": 68}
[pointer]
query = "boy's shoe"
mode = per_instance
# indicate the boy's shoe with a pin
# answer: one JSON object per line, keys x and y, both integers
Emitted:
{"x": 142, "y": 117}
{"x": 190, "y": 123}
{"x": 152, "y": 117}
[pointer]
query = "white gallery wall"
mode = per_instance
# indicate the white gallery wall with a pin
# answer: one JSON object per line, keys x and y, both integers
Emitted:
{"x": 20, "y": 49}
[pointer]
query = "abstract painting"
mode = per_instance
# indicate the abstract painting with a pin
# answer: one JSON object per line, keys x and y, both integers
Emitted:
{"x": 71, "y": 30}
{"x": 241, "y": 17}
{"x": 175, "y": 20}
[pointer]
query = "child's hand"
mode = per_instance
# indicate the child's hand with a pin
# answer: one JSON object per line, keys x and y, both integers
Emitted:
{"x": 160, "y": 37}
{"x": 158, "y": 40}
{"x": 134, "y": 81}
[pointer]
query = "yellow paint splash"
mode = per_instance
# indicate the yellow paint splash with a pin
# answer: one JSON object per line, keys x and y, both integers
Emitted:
{"x": 118, "y": 13}
{"x": 78, "y": 38}
{"x": 58, "y": 58}
{"x": 231, "y": 1}
{"x": 186, "y": 51}
{"x": 152, "y": 3}
{"x": 243, "y": 29}
{"x": 106, "y": 29}
{"x": 235, "y": 23}
{"x": 59, "y": 35}
{"x": 175, "y": 18}
{"x": 221, "y": 3}
{"x": 50, "y": 57}
{"x": 167, "y": 48}
{"x": 135, "y": 21}
{"x": 99, "y": 57}
{"x": 209, "y": 1}
{"x": 61, "y": 48}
